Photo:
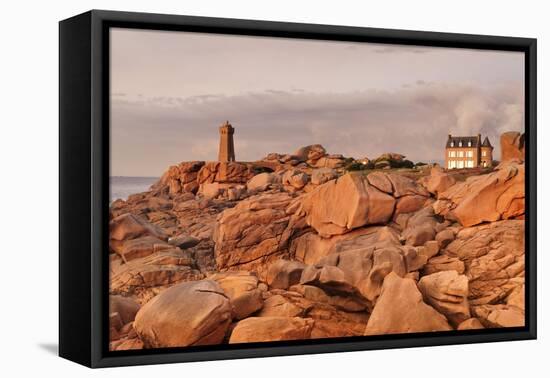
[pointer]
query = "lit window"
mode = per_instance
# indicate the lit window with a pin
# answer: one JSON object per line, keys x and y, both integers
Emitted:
{"x": 460, "y": 153}
{"x": 469, "y": 143}
{"x": 452, "y": 144}
{"x": 483, "y": 153}
{"x": 460, "y": 164}
{"x": 460, "y": 144}
{"x": 470, "y": 153}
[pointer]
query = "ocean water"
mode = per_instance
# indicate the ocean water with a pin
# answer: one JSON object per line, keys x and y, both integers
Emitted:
{"x": 122, "y": 187}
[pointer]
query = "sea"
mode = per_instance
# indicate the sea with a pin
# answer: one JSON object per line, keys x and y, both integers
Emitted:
{"x": 123, "y": 186}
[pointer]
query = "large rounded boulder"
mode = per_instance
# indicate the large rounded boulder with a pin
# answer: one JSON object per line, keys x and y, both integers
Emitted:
{"x": 349, "y": 202}
{"x": 400, "y": 309}
{"x": 190, "y": 313}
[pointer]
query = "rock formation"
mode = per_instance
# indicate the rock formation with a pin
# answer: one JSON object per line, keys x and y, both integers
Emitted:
{"x": 255, "y": 232}
{"x": 438, "y": 181}
{"x": 486, "y": 198}
{"x": 315, "y": 245}
{"x": 242, "y": 290}
{"x": 271, "y": 329}
{"x": 354, "y": 201}
{"x": 512, "y": 146}
{"x": 447, "y": 292}
{"x": 190, "y": 313}
{"x": 400, "y": 309}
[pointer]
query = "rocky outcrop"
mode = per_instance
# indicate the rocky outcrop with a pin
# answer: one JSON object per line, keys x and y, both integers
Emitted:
{"x": 331, "y": 314}
{"x": 493, "y": 256}
{"x": 356, "y": 267}
{"x": 339, "y": 300}
{"x": 282, "y": 274}
{"x": 472, "y": 323}
{"x": 400, "y": 309}
{"x": 196, "y": 216}
{"x": 184, "y": 213}
{"x": 517, "y": 297}
{"x": 444, "y": 237}
{"x": 183, "y": 241}
{"x": 310, "y": 247}
{"x": 195, "y": 176}
{"x": 443, "y": 263}
{"x": 131, "y": 249}
{"x": 292, "y": 247}
{"x": 129, "y": 226}
{"x": 438, "y": 181}
{"x": 499, "y": 316}
{"x": 126, "y": 308}
{"x": 122, "y": 311}
{"x": 512, "y": 146}
{"x": 310, "y": 153}
{"x": 305, "y": 158}
{"x": 131, "y": 342}
{"x": 321, "y": 175}
{"x": 279, "y": 306}
{"x": 191, "y": 313}
{"x": 242, "y": 290}
{"x": 355, "y": 200}
{"x": 330, "y": 162}
{"x": 329, "y": 277}
{"x": 263, "y": 181}
{"x": 255, "y": 233}
{"x": 225, "y": 172}
{"x": 295, "y": 180}
{"x": 144, "y": 204}
{"x": 277, "y": 162}
{"x": 403, "y": 186}
{"x": 147, "y": 276}
{"x": 486, "y": 198}
{"x": 259, "y": 329}
{"x": 420, "y": 227}
{"x": 447, "y": 292}
{"x": 349, "y": 202}
{"x": 180, "y": 178}
{"x": 143, "y": 262}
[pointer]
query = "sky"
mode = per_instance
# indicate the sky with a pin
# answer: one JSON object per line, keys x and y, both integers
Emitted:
{"x": 171, "y": 90}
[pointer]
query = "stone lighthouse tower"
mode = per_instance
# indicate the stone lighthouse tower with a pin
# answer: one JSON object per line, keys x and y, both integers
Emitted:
{"x": 227, "y": 148}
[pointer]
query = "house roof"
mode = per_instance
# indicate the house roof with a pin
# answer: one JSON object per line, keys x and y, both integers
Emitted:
{"x": 486, "y": 143}
{"x": 454, "y": 141}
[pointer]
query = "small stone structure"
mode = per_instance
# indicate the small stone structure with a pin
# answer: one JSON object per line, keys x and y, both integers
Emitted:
{"x": 227, "y": 148}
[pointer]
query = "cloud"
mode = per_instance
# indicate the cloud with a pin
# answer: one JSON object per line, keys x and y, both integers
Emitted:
{"x": 148, "y": 134}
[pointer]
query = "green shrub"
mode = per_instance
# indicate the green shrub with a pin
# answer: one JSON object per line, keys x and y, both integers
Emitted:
{"x": 406, "y": 164}
{"x": 355, "y": 166}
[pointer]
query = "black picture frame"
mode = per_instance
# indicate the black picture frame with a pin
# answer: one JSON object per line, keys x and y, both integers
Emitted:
{"x": 84, "y": 185}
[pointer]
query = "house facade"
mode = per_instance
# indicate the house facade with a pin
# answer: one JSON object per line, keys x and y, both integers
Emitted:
{"x": 468, "y": 152}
